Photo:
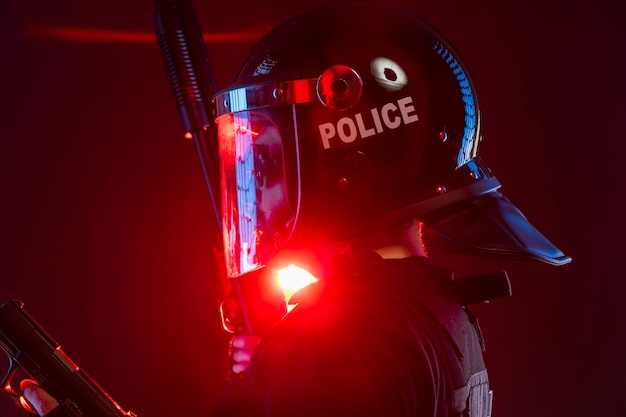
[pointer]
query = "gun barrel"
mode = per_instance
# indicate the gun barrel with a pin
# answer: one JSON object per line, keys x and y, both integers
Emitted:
{"x": 31, "y": 348}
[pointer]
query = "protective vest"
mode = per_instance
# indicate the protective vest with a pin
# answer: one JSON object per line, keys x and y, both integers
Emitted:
{"x": 441, "y": 302}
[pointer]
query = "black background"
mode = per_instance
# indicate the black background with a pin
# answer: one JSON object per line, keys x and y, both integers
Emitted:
{"x": 104, "y": 221}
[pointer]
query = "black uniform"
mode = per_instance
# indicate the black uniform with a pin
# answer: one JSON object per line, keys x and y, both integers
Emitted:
{"x": 378, "y": 338}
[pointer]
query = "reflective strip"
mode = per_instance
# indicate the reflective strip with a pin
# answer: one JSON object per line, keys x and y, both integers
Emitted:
{"x": 266, "y": 95}
{"x": 238, "y": 98}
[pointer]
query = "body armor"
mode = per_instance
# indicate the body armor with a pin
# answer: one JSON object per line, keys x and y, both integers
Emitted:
{"x": 379, "y": 338}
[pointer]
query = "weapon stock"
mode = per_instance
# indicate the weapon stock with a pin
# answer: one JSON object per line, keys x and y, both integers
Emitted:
{"x": 33, "y": 350}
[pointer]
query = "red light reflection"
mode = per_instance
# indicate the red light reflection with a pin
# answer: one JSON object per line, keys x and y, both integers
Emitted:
{"x": 81, "y": 34}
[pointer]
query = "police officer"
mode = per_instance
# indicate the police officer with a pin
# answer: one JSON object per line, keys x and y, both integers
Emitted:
{"x": 352, "y": 133}
{"x": 351, "y": 137}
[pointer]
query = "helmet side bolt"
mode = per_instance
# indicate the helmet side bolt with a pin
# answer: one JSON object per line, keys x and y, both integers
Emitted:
{"x": 441, "y": 189}
{"x": 443, "y": 136}
{"x": 339, "y": 86}
{"x": 343, "y": 182}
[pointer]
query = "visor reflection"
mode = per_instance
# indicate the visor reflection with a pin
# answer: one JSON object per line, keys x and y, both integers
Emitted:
{"x": 254, "y": 198}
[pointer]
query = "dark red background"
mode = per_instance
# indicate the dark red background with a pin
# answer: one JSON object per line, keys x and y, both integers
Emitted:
{"x": 104, "y": 221}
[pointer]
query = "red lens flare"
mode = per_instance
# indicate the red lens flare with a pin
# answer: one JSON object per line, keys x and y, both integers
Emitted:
{"x": 292, "y": 279}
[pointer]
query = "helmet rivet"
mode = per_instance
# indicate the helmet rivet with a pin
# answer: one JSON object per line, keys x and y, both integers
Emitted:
{"x": 441, "y": 189}
{"x": 226, "y": 104}
{"x": 443, "y": 136}
{"x": 343, "y": 182}
{"x": 277, "y": 92}
{"x": 473, "y": 175}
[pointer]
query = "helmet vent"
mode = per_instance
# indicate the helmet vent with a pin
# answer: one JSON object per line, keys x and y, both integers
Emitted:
{"x": 388, "y": 74}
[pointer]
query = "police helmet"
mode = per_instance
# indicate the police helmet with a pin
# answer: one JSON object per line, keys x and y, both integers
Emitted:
{"x": 350, "y": 117}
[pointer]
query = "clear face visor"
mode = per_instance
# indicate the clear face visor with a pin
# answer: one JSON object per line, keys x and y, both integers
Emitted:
{"x": 256, "y": 214}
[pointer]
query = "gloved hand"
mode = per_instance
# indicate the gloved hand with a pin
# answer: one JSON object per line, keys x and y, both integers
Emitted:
{"x": 241, "y": 348}
{"x": 40, "y": 400}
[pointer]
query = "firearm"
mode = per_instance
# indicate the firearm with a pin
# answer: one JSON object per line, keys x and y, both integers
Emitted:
{"x": 32, "y": 350}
